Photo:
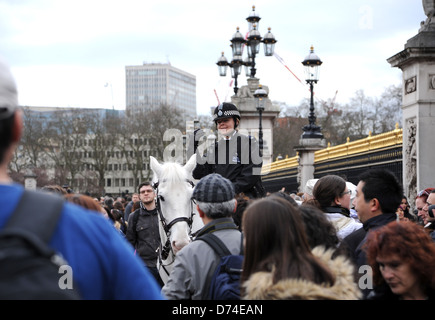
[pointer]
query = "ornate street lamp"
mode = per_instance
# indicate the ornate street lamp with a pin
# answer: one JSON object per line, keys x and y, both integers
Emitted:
{"x": 252, "y": 43}
{"x": 237, "y": 42}
{"x": 312, "y": 63}
{"x": 269, "y": 43}
{"x": 253, "y": 18}
{"x": 222, "y": 65}
{"x": 235, "y": 65}
{"x": 260, "y": 95}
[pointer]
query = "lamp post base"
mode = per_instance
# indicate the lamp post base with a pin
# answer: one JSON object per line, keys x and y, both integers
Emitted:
{"x": 312, "y": 131}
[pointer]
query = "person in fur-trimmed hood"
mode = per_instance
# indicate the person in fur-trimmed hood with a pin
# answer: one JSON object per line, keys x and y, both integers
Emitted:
{"x": 279, "y": 264}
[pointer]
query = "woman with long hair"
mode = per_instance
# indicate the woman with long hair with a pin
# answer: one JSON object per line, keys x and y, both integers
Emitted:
{"x": 279, "y": 263}
{"x": 332, "y": 196}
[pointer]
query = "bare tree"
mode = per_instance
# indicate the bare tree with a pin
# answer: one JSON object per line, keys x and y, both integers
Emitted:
{"x": 388, "y": 109}
{"x": 33, "y": 136}
{"x": 62, "y": 141}
{"x": 135, "y": 144}
{"x": 161, "y": 119}
{"x": 362, "y": 107}
{"x": 103, "y": 133}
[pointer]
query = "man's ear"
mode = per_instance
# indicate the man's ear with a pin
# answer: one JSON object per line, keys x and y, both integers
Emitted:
{"x": 201, "y": 214}
{"x": 17, "y": 129}
{"x": 374, "y": 205}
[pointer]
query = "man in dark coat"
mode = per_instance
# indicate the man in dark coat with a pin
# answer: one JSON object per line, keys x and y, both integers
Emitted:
{"x": 143, "y": 229}
{"x": 378, "y": 195}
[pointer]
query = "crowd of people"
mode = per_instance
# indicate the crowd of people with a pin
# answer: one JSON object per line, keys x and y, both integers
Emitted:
{"x": 316, "y": 246}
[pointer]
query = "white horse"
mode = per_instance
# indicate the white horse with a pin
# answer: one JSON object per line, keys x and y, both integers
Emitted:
{"x": 177, "y": 212}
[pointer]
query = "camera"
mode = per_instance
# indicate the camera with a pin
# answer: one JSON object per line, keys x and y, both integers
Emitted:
{"x": 430, "y": 210}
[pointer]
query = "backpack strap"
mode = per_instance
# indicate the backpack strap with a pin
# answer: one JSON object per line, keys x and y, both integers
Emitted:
{"x": 135, "y": 218}
{"x": 37, "y": 212}
{"x": 216, "y": 244}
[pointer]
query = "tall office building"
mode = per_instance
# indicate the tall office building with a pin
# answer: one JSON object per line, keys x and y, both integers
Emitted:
{"x": 151, "y": 85}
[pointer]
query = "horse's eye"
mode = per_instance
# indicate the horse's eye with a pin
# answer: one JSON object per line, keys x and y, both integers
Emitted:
{"x": 161, "y": 198}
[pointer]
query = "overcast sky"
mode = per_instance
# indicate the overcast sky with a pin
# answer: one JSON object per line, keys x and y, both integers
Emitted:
{"x": 63, "y": 52}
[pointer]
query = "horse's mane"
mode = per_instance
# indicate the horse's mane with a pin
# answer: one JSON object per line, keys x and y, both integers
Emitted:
{"x": 173, "y": 172}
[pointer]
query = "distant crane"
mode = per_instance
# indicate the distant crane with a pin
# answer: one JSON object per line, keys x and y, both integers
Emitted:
{"x": 331, "y": 110}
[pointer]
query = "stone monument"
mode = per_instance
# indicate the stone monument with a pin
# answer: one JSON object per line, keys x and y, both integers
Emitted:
{"x": 417, "y": 62}
{"x": 247, "y": 105}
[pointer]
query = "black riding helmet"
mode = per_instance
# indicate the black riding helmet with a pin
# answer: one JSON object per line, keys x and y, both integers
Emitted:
{"x": 226, "y": 110}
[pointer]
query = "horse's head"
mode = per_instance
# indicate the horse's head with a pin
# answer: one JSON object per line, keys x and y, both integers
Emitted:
{"x": 174, "y": 192}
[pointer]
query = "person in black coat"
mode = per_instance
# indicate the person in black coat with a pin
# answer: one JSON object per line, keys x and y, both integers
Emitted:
{"x": 236, "y": 156}
{"x": 378, "y": 195}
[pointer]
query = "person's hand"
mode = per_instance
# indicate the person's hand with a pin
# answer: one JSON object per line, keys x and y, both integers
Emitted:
{"x": 197, "y": 135}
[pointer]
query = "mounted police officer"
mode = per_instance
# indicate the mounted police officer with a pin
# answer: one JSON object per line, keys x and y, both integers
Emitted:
{"x": 236, "y": 156}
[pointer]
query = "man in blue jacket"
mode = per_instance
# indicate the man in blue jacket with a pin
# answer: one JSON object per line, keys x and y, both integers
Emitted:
{"x": 97, "y": 254}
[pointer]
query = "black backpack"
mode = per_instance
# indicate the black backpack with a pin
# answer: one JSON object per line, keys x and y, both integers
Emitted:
{"x": 225, "y": 283}
{"x": 29, "y": 268}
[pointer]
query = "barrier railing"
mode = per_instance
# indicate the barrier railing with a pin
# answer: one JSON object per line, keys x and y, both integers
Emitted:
{"x": 387, "y": 139}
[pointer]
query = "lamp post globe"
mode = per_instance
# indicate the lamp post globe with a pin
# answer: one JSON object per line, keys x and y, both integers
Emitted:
{"x": 311, "y": 64}
{"x": 252, "y": 43}
{"x": 260, "y": 95}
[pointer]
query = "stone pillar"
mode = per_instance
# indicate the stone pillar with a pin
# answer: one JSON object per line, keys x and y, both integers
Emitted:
{"x": 306, "y": 150}
{"x": 417, "y": 61}
{"x": 246, "y": 103}
{"x": 30, "y": 180}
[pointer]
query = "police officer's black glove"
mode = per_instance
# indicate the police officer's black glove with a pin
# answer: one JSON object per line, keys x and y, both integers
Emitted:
{"x": 197, "y": 135}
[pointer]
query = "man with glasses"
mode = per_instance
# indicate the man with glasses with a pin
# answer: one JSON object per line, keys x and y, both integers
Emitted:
{"x": 143, "y": 229}
{"x": 430, "y": 214}
{"x": 420, "y": 204}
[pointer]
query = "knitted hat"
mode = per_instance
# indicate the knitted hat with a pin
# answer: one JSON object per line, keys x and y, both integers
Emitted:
{"x": 214, "y": 188}
{"x": 8, "y": 91}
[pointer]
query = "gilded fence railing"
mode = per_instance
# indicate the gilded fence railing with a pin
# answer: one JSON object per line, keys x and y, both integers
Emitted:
{"x": 387, "y": 139}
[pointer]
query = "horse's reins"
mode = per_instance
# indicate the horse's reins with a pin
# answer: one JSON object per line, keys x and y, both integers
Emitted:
{"x": 167, "y": 248}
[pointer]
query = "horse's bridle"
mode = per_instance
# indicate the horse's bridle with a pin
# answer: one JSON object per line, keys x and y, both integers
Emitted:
{"x": 167, "y": 226}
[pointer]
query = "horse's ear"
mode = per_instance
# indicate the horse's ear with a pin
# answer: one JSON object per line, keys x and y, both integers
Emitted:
{"x": 155, "y": 166}
{"x": 191, "y": 164}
